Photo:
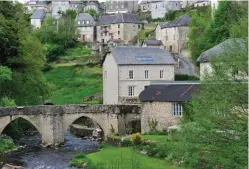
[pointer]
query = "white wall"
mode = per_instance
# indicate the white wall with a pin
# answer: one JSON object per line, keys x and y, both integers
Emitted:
{"x": 139, "y": 80}
{"x": 36, "y": 23}
{"x": 87, "y": 31}
{"x": 110, "y": 80}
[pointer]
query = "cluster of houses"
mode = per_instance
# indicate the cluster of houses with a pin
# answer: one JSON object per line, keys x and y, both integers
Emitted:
{"x": 137, "y": 74}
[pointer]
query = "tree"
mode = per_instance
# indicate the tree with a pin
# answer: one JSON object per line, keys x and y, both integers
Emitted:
{"x": 69, "y": 13}
{"x": 23, "y": 54}
{"x": 217, "y": 134}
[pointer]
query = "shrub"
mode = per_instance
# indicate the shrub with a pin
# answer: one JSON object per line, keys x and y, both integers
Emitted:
{"x": 136, "y": 139}
{"x": 185, "y": 77}
{"x": 47, "y": 67}
{"x": 112, "y": 130}
{"x": 126, "y": 142}
{"x": 78, "y": 161}
{"x": 153, "y": 124}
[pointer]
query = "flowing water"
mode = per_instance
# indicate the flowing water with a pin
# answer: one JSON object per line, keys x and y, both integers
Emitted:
{"x": 33, "y": 156}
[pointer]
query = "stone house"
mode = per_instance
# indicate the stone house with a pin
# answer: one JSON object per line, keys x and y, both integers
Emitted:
{"x": 32, "y": 5}
{"x": 164, "y": 103}
{"x": 208, "y": 56}
{"x": 201, "y": 3}
{"x": 112, "y": 43}
{"x": 37, "y": 18}
{"x": 121, "y": 6}
{"x": 153, "y": 44}
{"x": 95, "y": 6}
{"x": 85, "y": 27}
{"x": 122, "y": 26}
{"x": 127, "y": 71}
{"x": 174, "y": 34}
{"x": 59, "y": 6}
{"x": 76, "y": 5}
{"x": 161, "y": 7}
{"x": 145, "y": 5}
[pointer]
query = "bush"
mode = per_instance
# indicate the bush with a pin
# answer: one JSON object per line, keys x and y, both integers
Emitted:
{"x": 156, "y": 133}
{"x": 53, "y": 51}
{"x": 47, "y": 67}
{"x": 185, "y": 77}
{"x": 126, "y": 142}
{"x": 136, "y": 139}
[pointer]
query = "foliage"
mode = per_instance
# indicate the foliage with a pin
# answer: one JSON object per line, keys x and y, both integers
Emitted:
{"x": 136, "y": 139}
{"x": 153, "y": 123}
{"x": 183, "y": 77}
{"x": 216, "y": 135}
{"x": 93, "y": 13}
{"x": 126, "y": 142}
{"x": 78, "y": 161}
{"x": 6, "y": 144}
{"x": 144, "y": 34}
{"x": 157, "y": 138}
{"x": 112, "y": 130}
{"x": 23, "y": 54}
{"x": 5, "y": 101}
{"x": 69, "y": 13}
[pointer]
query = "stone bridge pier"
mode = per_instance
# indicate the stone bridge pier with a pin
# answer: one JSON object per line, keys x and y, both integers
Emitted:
{"x": 53, "y": 121}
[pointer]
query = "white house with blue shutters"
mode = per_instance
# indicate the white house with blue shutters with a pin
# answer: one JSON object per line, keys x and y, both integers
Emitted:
{"x": 127, "y": 71}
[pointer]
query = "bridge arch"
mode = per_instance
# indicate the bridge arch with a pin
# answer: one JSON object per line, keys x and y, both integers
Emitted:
{"x": 8, "y": 119}
{"x": 98, "y": 118}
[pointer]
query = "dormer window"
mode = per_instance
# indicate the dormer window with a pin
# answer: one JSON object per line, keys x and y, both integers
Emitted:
{"x": 78, "y": 22}
{"x": 87, "y": 22}
{"x": 83, "y": 22}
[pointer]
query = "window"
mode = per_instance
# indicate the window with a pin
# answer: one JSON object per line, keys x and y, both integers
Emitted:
{"x": 105, "y": 75}
{"x": 78, "y": 22}
{"x": 161, "y": 74}
{"x": 166, "y": 31}
{"x": 131, "y": 74}
{"x": 177, "y": 109}
{"x": 118, "y": 26}
{"x": 139, "y": 26}
{"x": 156, "y": 6}
{"x": 83, "y": 22}
{"x": 146, "y": 74}
{"x": 145, "y": 87}
{"x": 131, "y": 91}
{"x": 103, "y": 40}
{"x": 101, "y": 34}
{"x": 87, "y": 22}
{"x": 166, "y": 38}
{"x": 118, "y": 32}
{"x": 106, "y": 34}
{"x": 109, "y": 26}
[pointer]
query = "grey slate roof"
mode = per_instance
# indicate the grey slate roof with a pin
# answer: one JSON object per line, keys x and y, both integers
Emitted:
{"x": 170, "y": 92}
{"x": 85, "y": 17}
{"x": 135, "y": 56}
{"x": 153, "y": 42}
{"x": 217, "y": 50}
{"x": 38, "y": 14}
{"x": 180, "y": 21}
{"x": 119, "y": 18}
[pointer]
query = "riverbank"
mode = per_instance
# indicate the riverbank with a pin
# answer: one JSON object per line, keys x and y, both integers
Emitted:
{"x": 119, "y": 158}
{"x": 6, "y": 144}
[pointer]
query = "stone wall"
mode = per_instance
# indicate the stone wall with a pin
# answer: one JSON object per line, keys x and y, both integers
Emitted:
{"x": 161, "y": 111}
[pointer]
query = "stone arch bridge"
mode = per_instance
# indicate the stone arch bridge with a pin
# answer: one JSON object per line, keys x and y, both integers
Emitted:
{"x": 52, "y": 121}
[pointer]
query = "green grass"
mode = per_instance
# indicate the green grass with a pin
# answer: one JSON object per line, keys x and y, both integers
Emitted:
{"x": 72, "y": 83}
{"x": 77, "y": 53}
{"x": 126, "y": 158}
{"x": 158, "y": 138}
{"x": 6, "y": 144}
{"x": 143, "y": 34}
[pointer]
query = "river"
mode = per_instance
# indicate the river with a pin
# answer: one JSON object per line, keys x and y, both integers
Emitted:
{"x": 33, "y": 156}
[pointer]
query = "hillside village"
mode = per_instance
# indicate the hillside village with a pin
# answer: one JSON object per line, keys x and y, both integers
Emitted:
{"x": 182, "y": 65}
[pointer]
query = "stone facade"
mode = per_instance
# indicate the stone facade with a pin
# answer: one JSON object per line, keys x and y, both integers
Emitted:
{"x": 159, "y": 111}
{"x": 123, "y": 31}
{"x": 53, "y": 121}
{"x": 160, "y": 8}
{"x": 121, "y": 6}
{"x": 174, "y": 39}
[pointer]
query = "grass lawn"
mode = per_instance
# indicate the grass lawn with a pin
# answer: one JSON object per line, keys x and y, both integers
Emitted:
{"x": 142, "y": 34}
{"x": 158, "y": 138}
{"x": 76, "y": 53}
{"x": 126, "y": 158}
{"x": 71, "y": 83}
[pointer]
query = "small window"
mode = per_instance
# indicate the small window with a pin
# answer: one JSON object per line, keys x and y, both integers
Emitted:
{"x": 87, "y": 22}
{"x": 139, "y": 26}
{"x": 118, "y": 26}
{"x": 177, "y": 109}
{"x": 166, "y": 38}
{"x": 156, "y": 6}
{"x": 105, "y": 75}
{"x": 131, "y": 74}
{"x": 106, "y": 34}
{"x": 131, "y": 91}
{"x": 118, "y": 32}
{"x": 78, "y": 22}
{"x": 161, "y": 74}
{"x": 83, "y": 22}
{"x": 146, "y": 74}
